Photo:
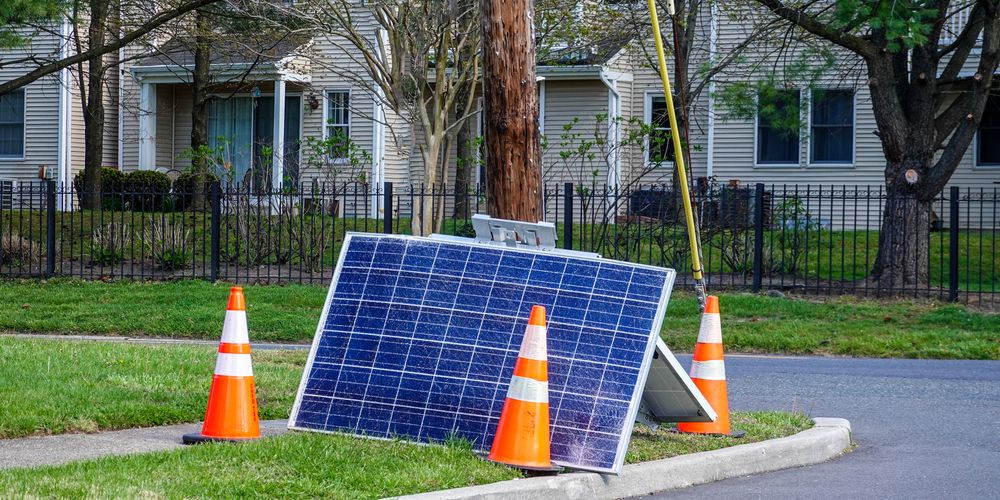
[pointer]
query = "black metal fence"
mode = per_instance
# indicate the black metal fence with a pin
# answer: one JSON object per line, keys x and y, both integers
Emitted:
{"x": 804, "y": 238}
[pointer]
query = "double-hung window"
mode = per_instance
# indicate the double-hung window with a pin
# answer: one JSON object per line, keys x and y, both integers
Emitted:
{"x": 12, "y": 124}
{"x": 777, "y": 127}
{"x": 338, "y": 122}
{"x": 661, "y": 145}
{"x": 832, "y": 127}
{"x": 988, "y": 142}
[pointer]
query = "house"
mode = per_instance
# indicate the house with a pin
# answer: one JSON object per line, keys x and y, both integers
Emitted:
{"x": 270, "y": 100}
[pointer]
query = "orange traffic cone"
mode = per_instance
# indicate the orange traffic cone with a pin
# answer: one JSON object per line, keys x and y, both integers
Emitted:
{"x": 522, "y": 437}
{"x": 708, "y": 371}
{"x": 232, "y": 402}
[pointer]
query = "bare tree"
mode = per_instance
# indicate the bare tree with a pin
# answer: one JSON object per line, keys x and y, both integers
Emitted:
{"x": 420, "y": 59}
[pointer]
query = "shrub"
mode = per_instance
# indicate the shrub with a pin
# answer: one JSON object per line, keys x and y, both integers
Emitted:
{"x": 186, "y": 187}
{"x": 146, "y": 189}
{"x": 108, "y": 243}
{"x": 167, "y": 243}
{"x": 15, "y": 250}
{"x": 112, "y": 186}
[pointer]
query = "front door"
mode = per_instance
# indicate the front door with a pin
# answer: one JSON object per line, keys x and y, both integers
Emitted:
{"x": 241, "y": 134}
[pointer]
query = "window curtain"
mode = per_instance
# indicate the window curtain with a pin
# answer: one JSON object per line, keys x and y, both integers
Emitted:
{"x": 230, "y": 133}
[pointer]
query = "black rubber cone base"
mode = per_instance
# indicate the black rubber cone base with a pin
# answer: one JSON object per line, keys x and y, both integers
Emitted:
{"x": 529, "y": 471}
{"x": 733, "y": 433}
{"x": 198, "y": 438}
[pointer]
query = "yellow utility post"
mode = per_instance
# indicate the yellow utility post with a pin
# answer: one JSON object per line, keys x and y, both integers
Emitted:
{"x": 699, "y": 280}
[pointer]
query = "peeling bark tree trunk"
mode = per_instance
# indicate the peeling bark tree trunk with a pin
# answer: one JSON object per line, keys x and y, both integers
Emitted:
{"x": 93, "y": 109}
{"x": 510, "y": 111}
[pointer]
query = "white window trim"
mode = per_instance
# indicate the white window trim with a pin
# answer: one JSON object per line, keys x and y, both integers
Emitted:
{"x": 854, "y": 132}
{"x": 326, "y": 116}
{"x": 647, "y": 118}
{"x": 24, "y": 128}
{"x": 756, "y": 131}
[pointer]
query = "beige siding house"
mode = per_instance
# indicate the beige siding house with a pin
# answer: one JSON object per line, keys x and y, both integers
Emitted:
{"x": 275, "y": 98}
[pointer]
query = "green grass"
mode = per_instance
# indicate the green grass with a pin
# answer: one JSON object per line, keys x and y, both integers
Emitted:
{"x": 88, "y": 386}
{"x": 53, "y": 387}
{"x": 334, "y": 466}
{"x": 842, "y": 326}
{"x": 648, "y": 444}
{"x": 751, "y": 323}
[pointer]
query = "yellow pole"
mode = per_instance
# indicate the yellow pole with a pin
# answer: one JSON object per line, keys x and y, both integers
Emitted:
{"x": 675, "y": 136}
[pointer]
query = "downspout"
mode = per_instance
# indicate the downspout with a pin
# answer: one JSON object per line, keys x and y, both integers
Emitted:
{"x": 712, "y": 51}
{"x": 378, "y": 139}
{"x": 121, "y": 109}
{"x": 64, "y": 155}
{"x": 614, "y": 110}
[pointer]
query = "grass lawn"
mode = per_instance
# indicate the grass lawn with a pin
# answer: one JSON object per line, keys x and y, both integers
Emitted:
{"x": 337, "y": 466}
{"x": 49, "y": 386}
{"x": 53, "y": 387}
{"x": 751, "y": 323}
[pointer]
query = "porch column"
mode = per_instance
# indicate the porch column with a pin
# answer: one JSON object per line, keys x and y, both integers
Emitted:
{"x": 147, "y": 126}
{"x": 277, "y": 166}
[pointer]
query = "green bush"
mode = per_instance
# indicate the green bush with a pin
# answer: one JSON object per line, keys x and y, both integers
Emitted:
{"x": 112, "y": 186}
{"x": 186, "y": 187}
{"x": 146, "y": 189}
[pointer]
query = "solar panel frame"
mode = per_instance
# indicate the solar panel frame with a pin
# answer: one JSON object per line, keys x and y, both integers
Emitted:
{"x": 642, "y": 373}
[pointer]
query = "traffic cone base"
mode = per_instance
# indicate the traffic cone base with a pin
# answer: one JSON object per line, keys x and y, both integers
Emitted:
{"x": 231, "y": 414}
{"x": 522, "y": 438}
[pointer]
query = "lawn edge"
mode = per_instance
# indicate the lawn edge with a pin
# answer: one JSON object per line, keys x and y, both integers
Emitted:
{"x": 827, "y": 439}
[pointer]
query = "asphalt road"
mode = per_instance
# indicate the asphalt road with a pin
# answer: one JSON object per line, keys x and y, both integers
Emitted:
{"x": 923, "y": 428}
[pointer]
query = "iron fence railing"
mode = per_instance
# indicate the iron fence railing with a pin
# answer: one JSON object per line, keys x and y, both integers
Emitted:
{"x": 806, "y": 238}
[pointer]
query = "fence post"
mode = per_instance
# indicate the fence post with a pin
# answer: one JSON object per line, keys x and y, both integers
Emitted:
{"x": 387, "y": 207}
{"x": 568, "y": 216}
{"x": 758, "y": 236}
{"x": 216, "y": 201}
{"x": 50, "y": 228}
{"x": 953, "y": 246}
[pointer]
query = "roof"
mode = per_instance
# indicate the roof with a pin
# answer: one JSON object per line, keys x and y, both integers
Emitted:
{"x": 599, "y": 52}
{"x": 227, "y": 51}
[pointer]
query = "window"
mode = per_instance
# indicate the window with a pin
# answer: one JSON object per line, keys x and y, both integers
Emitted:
{"x": 988, "y": 143}
{"x": 832, "y": 129}
{"x": 777, "y": 127}
{"x": 12, "y": 124}
{"x": 338, "y": 121}
{"x": 661, "y": 145}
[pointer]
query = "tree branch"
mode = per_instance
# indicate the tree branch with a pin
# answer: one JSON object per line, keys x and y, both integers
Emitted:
{"x": 809, "y": 23}
{"x": 144, "y": 29}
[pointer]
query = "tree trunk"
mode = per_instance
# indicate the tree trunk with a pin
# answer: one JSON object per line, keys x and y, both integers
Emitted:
{"x": 510, "y": 111}
{"x": 464, "y": 165}
{"x": 199, "y": 109}
{"x": 902, "y": 260}
{"x": 93, "y": 111}
{"x": 422, "y": 223}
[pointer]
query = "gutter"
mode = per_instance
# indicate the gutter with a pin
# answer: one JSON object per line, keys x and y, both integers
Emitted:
{"x": 64, "y": 155}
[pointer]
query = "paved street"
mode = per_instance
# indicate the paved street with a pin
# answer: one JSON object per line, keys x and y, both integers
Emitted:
{"x": 924, "y": 428}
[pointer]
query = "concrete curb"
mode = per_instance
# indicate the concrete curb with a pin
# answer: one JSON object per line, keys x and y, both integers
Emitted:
{"x": 828, "y": 438}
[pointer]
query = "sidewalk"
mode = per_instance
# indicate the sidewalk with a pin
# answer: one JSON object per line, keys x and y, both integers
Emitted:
{"x": 63, "y": 448}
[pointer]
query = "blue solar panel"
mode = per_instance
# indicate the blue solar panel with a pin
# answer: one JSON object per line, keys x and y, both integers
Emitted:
{"x": 419, "y": 337}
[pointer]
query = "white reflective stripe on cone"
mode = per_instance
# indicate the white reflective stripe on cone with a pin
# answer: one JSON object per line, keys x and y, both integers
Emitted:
{"x": 533, "y": 345}
{"x": 234, "y": 329}
{"x": 528, "y": 390}
{"x": 234, "y": 365}
{"x": 711, "y": 329}
{"x": 709, "y": 370}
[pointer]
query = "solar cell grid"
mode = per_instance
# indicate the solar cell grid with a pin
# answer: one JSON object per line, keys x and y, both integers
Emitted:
{"x": 419, "y": 337}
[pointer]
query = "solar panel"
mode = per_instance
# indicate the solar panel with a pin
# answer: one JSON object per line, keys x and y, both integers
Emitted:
{"x": 418, "y": 340}
{"x": 669, "y": 395}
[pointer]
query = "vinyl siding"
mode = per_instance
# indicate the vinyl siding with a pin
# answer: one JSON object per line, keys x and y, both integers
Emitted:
{"x": 41, "y": 114}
